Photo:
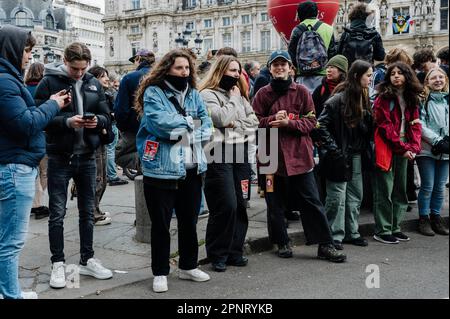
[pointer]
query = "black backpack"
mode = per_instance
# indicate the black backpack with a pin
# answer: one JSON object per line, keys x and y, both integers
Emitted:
{"x": 358, "y": 45}
{"x": 312, "y": 53}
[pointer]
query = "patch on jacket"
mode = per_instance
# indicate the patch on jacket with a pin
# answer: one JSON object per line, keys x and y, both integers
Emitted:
{"x": 93, "y": 88}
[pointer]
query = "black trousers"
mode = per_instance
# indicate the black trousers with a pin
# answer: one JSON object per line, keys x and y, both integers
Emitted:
{"x": 161, "y": 203}
{"x": 228, "y": 220}
{"x": 305, "y": 198}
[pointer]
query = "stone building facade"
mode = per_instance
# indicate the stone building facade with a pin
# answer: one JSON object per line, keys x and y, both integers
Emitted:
{"x": 55, "y": 24}
{"x": 244, "y": 25}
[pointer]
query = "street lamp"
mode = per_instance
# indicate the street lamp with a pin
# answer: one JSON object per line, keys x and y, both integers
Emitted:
{"x": 49, "y": 56}
{"x": 36, "y": 56}
{"x": 179, "y": 40}
{"x": 198, "y": 43}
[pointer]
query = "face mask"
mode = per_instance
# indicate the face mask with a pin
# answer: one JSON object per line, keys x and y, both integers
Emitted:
{"x": 178, "y": 82}
{"x": 281, "y": 86}
{"x": 228, "y": 82}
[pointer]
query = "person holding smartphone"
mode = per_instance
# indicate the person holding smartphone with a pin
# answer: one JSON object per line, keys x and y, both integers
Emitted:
{"x": 22, "y": 146}
{"x": 72, "y": 139}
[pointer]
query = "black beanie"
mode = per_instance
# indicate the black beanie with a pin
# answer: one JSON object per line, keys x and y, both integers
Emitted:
{"x": 307, "y": 10}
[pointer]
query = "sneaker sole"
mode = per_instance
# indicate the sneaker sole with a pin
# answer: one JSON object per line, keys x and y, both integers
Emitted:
{"x": 187, "y": 277}
{"x": 57, "y": 286}
{"x": 340, "y": 260}
{"x": 158, "y": 291}
{"x": 89, "y": 273}
{"x": 403, "y": 240}
{"x": 385, "y": 241}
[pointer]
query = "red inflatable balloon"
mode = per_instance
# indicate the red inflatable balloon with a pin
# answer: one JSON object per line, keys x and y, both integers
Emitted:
{"x": 283, "y": 14}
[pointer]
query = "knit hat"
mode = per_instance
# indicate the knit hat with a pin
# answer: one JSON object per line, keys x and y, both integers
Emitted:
{"x": 340, "y": 62}
{"x": 307, "y": 10}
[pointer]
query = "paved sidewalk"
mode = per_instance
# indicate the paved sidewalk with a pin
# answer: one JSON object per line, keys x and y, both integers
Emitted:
{"x": 115, "y": 246}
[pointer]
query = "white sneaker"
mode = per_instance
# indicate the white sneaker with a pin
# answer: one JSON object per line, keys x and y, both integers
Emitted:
{"x": 194, "y": 275}
{"x": 58, "y": 276}
{"x": 160, "y": 284}
{"x": 29, "y": 295}
{"x": 102, "y": 220}
{"x": 95, "y": 269}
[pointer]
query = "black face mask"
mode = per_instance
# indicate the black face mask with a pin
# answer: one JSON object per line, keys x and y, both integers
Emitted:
{"x": 281, "y": 86}
{"x": 228, "y": 82}
{"x": 178, "y": 82}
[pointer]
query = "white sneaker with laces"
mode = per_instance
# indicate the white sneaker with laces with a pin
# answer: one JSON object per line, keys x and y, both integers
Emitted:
{"x": 194, "y": 275}
{"x": 95, "y": 269}
{"x": 58, "y": 276}
{"x": 102, "y": 220}
{"x": 160, "y": 284}
{"x": 29, "y": 295}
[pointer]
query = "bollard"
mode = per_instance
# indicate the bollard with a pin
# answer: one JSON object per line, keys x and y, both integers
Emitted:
{"x": 143, "y": 223}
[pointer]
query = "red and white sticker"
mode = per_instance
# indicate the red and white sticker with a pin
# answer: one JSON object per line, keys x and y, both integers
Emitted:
{"x": 244, "y": 187}
{"x": 292, "y": 116}
{"x": 151, "y": 148}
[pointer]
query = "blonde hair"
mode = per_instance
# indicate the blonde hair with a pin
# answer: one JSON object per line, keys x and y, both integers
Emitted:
{"x": 426, "y": 90}
{"x": 217, "y": 71}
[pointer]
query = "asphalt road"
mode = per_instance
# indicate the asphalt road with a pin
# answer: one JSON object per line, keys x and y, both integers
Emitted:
{"x": 416, "y": 269}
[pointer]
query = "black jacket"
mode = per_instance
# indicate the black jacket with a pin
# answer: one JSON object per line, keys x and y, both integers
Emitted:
{"x": 335, "y": 136}
{"x": 60, "y": 137}
{"x": 262, "y": 80}
{"x": 378, "y": 52}
{"x": 320, "y": 95}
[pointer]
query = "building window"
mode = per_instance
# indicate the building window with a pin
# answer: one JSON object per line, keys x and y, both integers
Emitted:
{"x": 49, "y": 22}
{"x": 226, "y": 37}
{"x": 264, "y": 17}
{"x": 404, "y": 11}
{"x": 226, "y": 21}
{"x": 135, "y": 46}
{"x": 209, "y": 2}
{"x": 207, "y": 44}
{"x": 265, "y": 40}
{"x": 208, "y": 23}
{"x": 21, "y": 19}
{"x": 444, "y": 14}
{"x": 135, "y": 29}
{"x": 246, "y": 41}
{"x": 246, "y": 19}
{"x": 135, "y": 4}
{"x": 190, "y": 26}
{"x": 189, "y": 4}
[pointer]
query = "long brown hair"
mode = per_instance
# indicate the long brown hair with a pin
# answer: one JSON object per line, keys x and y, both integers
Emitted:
{"x": 158, "y": 74}
{"x": 35, "y": 73}
{"x": 412, "y": 88}
{"x": 356, "y": 98}
{"x": 217, "y": 71}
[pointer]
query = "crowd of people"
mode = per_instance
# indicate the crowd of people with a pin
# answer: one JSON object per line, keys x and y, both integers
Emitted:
{"x": 189, "y": 128}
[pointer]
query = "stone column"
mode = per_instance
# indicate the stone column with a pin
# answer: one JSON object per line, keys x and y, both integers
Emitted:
{"x": 143, "y": 223}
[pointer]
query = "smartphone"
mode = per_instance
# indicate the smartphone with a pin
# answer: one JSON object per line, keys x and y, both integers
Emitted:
{"x": 69, "y": 90}
{"x": 88, "y": 116}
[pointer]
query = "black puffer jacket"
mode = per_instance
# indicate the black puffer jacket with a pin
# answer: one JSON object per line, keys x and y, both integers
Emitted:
{"x": 336, "y": 141}
{"x": 60, "y": 137}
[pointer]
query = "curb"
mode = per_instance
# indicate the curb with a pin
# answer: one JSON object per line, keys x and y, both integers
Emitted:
{"x": 263, "y": 244}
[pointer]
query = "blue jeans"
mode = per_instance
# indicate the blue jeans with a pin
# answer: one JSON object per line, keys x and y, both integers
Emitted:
{"x": 17, "y": 186}
{"x": 433, "y": 175}
{"x": 83, "y": 171}
{"x": 111, "y": 172}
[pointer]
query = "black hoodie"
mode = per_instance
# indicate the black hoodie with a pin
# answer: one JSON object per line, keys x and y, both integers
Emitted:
{"x": 11, "y": 47}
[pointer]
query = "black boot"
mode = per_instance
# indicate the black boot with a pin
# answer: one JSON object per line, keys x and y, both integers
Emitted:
{"x": 329, "y": 252}
{"x": 438, "y": 225}
{"x": 284, "y": 251}
{"x": 425, "y": 226}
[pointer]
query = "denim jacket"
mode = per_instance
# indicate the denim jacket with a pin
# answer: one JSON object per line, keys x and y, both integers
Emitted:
{"x": 162, "y": 125}
{"x": 434, "y": 123}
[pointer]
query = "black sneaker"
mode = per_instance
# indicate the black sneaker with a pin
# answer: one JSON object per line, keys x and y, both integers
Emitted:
{"x": 338, "y": 245}
{"x": 386, "y": 239}
{"x": 117, "y": 181}
{"x": 41, "y": 212}
{"x": 239, "y": 262}
{"x": 292, "y": 215}
{"x": 329, "y": 252}
{"x": 284, "y": 251}
{"x": 219, "y": 266}
{"x": 401, "y": 237}
{"x": 362, "y": 242}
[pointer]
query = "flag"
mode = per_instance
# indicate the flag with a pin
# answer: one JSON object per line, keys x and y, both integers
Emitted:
{"x": 401, "y": 24}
